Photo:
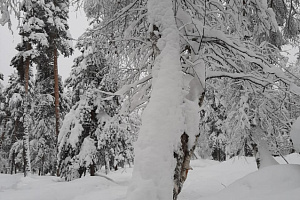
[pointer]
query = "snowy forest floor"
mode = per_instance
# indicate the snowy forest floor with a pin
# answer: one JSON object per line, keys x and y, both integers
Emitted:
{"x": 208, "y": 180}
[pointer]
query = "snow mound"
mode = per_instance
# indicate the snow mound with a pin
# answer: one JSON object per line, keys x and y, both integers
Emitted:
{"x": 203, "y": 163}
{"x": 275, "y": 182}
{"x": 52, "y": 188}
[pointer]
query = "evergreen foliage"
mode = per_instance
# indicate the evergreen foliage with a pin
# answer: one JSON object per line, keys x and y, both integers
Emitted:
{"x": 90, "y": 136}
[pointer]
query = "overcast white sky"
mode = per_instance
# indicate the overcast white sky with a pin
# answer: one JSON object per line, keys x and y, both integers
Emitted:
{"x": 8, "y": 41}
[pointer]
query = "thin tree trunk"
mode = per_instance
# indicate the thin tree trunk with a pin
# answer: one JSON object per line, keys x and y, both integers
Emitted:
{"x": 4, "y": 130}
{"x": 107, "y": 167}
{"x": 56, "y": 93}
{"x": 27, "y": 63}
{"x": 41, "y": 170}
{"x": 12, "y": 163}
{"x": 24, "y": 160}
{"x": 56, "y": 101}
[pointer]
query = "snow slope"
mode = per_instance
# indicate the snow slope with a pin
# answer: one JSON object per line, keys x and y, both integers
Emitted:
{"x": 275, "y": 182}
{"x": 236, "y": 178}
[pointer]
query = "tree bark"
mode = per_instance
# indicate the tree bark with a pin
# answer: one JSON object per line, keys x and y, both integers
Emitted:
{"x": 183, "y": 158}
{"x": 27, "y": 63}
{"x": 12, "y": 163}
{"x": 56, "y": 93}
{"x": 56, "y": 102}
{"x": 92, "y": 169}
{"x": 255, "y": 153}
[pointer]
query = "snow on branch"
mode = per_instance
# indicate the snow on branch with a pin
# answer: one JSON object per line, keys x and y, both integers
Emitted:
{"x": 8, "y": 7}
{"x": 249, "y": 77}
{"x": 126, "y": 88}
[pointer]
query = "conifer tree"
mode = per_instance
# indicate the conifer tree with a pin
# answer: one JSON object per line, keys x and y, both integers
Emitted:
{"x": 13, "y": 119}
{"x": 92, "y": 133}
{"x": 31, "y": 33}
{"x": 77, "y": 141}
{"x": 53, "y": 15}
{"x": 44, "y": 32}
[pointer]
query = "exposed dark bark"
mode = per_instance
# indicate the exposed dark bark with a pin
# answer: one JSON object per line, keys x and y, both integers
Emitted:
{"x": 24, "y": 160}
{"x": 56, "y": 93}
{"x": 183, "y": 157}
{"x": 255, "y": 153}
{"x": 27, "y": 63}
{"x": 12, "y": 163}
{"x": 92, "y": 169}
{"x": 56, "y": 102}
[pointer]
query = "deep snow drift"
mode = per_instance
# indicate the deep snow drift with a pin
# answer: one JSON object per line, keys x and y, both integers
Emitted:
{"x": 209, "y": 180}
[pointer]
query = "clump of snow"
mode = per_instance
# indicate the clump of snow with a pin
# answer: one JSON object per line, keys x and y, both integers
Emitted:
{"x": 192, "y": 117}
{"x": 294, "y": 88}
{"x": 295, "y": 134}
{"x": 70, "y": 130}
{"x": 265, "y": 156}
{"x": 15, "y": 100}
{"x": 88, "y": 149}
{"x": 5, "y": 16}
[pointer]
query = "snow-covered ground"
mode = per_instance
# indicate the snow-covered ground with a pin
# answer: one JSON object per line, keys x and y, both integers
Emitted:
{"x": 236, "y": 178}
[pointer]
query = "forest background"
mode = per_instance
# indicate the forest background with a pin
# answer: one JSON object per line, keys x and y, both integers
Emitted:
{"x": 187, "y": 78}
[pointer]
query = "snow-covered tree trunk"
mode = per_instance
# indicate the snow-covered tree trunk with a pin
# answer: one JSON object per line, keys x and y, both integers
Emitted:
{"x": 261, "y": 153}
{"x": 27, "y": 163}
{"x": 163, "y": 119}
{"x": 107, "y": 167}
{"x": 263, "y": 157}
{"x": 192, "y": 102}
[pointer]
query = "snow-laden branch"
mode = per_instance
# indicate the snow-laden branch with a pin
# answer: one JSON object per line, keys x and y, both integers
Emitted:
{"x": 219, "y": 38}
{"x": 126, "y": 88}
{"x": 249, "y": 77}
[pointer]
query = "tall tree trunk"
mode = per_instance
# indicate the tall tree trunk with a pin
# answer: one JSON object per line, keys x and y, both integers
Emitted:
{"x": 170, "y": 122}
{"x": 162, "y": 120}
{"x": 56, "y": 93}
{"x": 26, "y": 143}
{"x": 56, "y": 101}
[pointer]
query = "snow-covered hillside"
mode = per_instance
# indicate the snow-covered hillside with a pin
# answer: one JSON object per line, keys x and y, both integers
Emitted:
{"x": 236, "y": 178}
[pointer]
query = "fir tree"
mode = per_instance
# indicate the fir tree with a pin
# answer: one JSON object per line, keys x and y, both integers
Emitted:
{"x": 12, "y": 119}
